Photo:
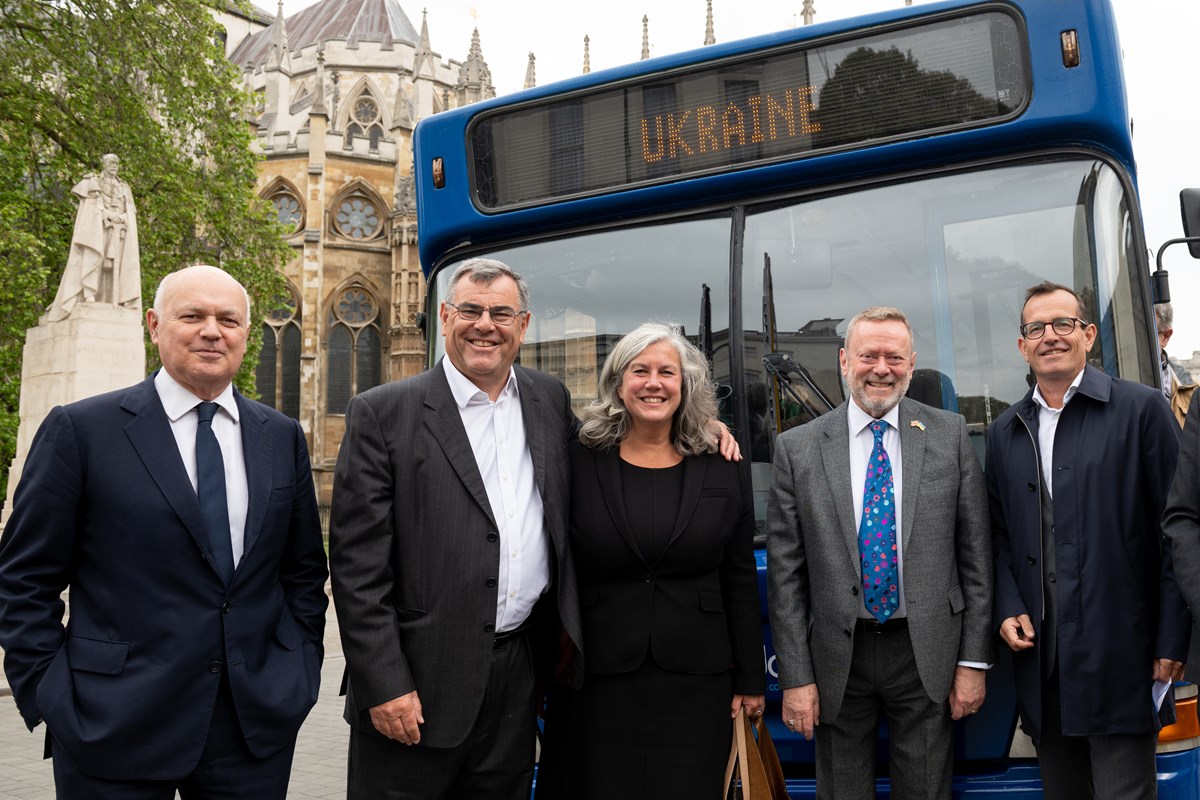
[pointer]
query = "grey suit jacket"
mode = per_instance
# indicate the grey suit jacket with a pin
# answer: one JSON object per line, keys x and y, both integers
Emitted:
{"x": 814, "y": 580}
{"x": 413, "y": 546}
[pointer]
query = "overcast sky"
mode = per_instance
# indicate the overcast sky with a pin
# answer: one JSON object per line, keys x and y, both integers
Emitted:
{"x": 1158, "y": 37}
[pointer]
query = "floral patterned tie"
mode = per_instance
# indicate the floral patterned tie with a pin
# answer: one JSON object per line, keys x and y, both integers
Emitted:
{"x": 877, "y": 532}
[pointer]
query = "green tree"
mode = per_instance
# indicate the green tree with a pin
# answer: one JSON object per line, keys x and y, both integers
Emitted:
{"x": 147, "y": 80}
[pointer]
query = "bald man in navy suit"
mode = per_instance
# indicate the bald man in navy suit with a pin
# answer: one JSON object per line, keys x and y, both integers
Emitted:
{"x": 182, "y": 517}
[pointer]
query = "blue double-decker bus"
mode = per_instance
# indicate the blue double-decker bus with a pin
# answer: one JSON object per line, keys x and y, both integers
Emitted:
{"x": 939, "y": 159}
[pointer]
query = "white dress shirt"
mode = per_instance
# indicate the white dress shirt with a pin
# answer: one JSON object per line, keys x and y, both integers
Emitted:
{"x": 1048, "y": 425}
{"x": 862, "y": 442}
{"x": 180, "y": 405}
{"x": 497, "y": 434}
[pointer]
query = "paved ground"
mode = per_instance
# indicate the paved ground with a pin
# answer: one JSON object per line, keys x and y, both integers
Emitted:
{"x": 318, "y": 772}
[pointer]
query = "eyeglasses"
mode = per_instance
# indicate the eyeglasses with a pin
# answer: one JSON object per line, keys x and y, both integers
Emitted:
{"x": 871, "y": 359}
{"x": 501, "y": 315}
{"x": 1062, "y": 326}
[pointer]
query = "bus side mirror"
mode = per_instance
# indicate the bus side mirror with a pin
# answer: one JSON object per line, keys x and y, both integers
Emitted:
{"x": 1189, "y": 206}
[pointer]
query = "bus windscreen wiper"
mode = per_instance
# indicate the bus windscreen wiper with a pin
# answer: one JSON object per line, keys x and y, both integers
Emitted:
{"x": 780, "y": 365}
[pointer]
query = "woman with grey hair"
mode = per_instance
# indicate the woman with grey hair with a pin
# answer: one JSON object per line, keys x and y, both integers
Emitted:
{"x": 661, "y": 532}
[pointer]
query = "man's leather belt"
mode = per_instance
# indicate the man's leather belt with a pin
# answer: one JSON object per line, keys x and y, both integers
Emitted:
{"x": 875, "y": 626}
{"x": 504, "y": 636}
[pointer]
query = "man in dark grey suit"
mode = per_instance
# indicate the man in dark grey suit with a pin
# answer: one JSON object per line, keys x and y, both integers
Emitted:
{"x": 448, "y": 555}
{"x": 1181, "y": 519}
{"x": 880, "y": 602}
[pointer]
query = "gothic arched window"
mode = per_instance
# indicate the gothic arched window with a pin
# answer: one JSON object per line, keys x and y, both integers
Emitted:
{"x": 354, "y": 353}
{"x": 288, "y": 210}
{"x": 365, "y": 120}
{"x": 358, "y": 217}
{"x": 278, "y": 373}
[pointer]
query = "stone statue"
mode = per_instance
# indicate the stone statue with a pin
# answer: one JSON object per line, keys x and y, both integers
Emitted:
{"x": 103, "y": 265}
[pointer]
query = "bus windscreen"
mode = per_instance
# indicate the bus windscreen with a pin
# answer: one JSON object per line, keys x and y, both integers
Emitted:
{"x": 848, "y": 92}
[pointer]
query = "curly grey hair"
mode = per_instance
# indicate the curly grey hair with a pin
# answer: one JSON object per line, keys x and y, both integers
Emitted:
{"x": 606, "y": 421}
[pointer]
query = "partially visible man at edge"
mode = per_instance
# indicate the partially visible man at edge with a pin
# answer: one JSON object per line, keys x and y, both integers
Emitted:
{"x": 1178, "y": 393}
{"x": 448, "y": 548}
{"x": 183, "y": 518}
{"x": 1086, "y": 597}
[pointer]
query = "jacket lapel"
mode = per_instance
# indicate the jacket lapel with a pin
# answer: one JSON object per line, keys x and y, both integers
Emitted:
{"x": 446, "y": 425}
{"x": 912, "y": 458}
{"x": 835, "y": 458}
{"x": 256, "y": 450}
{"x": 535, "y": 433}
{"x": 694, "y": 471}
{"x": 150, "y": 434}
{"x": 608, "y": 477}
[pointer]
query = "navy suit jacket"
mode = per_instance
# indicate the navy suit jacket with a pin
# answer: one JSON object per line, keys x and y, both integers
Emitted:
{"x": 105, "y": 508}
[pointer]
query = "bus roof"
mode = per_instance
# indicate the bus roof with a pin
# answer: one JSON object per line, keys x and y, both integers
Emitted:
{"x": 1068, "y": 107}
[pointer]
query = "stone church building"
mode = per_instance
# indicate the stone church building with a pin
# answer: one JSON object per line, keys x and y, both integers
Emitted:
{"x": 340, "y": 86}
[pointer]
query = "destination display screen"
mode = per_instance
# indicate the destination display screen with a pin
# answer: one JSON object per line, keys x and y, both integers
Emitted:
{"x": 852, "y": 92}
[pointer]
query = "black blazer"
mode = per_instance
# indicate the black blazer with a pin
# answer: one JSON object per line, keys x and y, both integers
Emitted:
{"x": 695, "y": 608}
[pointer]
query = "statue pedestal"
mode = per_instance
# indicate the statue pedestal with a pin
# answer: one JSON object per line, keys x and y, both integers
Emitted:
{"x": 96, "y": 349}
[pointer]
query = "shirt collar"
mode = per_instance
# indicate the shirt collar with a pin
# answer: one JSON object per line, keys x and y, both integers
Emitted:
{"x": 1071, "y": 390}
{"x": 178, "y": 401}
{"x": 860, "y": 419}
{"x": 464, "y": 391}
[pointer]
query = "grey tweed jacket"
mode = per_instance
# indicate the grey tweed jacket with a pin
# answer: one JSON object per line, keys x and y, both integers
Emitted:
{"x": 813, "y": 563}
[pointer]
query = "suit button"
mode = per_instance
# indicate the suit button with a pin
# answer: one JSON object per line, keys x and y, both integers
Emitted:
{"x": 489, "y": 627}
{"x": 1031, "y": 487}
{"x": 647, "y": 578}
{"x": 1030, "y": 560}
{"x": 1051, "y": 577}
{"x": 854, "y": 591}
{"x": 849, "y": 632}
{"x": 225, "y": 609}
{"x": 491, "y": 582}
{"x": 214, "y": 666}
{"x": 492, "y": 536}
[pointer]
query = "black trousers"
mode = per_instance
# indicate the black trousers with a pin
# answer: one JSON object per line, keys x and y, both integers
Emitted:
{"x": 227, "y": 769}
{"x": 1085, "y": 767}
{"x": 495, "y": 762}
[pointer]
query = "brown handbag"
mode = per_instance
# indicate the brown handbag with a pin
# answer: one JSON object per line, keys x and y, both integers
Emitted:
{"x": 753, "y": 771}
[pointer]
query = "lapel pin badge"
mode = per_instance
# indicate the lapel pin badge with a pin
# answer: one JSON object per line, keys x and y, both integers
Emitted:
{"x": 916, "y": 423}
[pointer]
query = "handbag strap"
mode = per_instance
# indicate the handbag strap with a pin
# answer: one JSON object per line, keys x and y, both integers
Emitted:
{"x": 731, "y": 764}
{"x": 745, "y": 763}
{"x": 738, "y": 765}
